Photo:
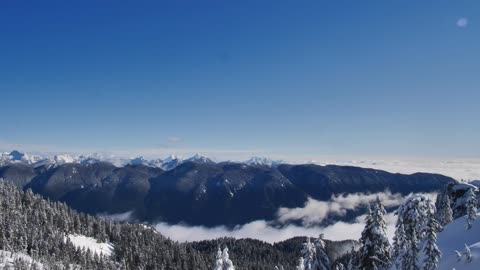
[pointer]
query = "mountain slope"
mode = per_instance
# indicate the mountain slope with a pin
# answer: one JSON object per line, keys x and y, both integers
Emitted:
{"x": 201, "y": 192}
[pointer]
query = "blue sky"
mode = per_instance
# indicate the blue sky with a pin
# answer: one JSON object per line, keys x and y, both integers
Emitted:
{"x": 231, "y": 78}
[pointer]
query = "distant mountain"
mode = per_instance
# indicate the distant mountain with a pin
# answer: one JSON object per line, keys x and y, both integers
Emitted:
{"x": 199, "y": 191}
{"x": 169, "y": 163}
{"x": 199, "y": 159}
{"x": 262, "y": 161}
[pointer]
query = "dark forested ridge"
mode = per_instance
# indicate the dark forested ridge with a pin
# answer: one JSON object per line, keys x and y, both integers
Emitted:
{"x": 206, "y": 193}
{"x": 40, "y": 228}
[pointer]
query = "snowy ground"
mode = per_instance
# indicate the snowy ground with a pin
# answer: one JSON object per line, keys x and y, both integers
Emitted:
{"x": 455, "y": 237}
{"x": 92, "y": 244}
{"x": 7, "y": 260}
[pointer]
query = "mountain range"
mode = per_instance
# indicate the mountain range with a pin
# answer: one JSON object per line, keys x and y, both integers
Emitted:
{"x": 198, "y": 191}
{"x": 170, "y": 162}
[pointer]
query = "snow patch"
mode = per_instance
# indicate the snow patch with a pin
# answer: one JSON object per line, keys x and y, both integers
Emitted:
{"x": 91, "y": 243}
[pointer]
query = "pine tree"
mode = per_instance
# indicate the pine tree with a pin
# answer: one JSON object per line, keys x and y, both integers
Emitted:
{"x": 399, "y": 243}
{"x": 413, "y": 217}
{"x": 410, "y": 258}
{"x": 472, "y": 205}
{"x": 227, "y": 263}
{"x": 375, "y": 248}
{"x": 322, "y": 262}
{"x": 432, "y": 253}
{"x": 219, "y": 260}
{"x": 309, "y": 255}
{"x": 351, "y": 260}
{"x": 444, "y": 210}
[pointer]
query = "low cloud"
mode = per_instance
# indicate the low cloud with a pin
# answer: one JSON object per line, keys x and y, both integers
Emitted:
{"x": 314, "y": 212}
{"x": 311, "y": 216}
{"x": 121, "y": 217}
{"x": 271, "y": 232}
{"x": 265, "y": 231}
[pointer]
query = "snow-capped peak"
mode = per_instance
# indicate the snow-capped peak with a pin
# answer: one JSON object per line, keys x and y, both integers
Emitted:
{"x": 156, "y": 163}
{"x": 62, "y": 159}
{"x": 172, "y": 158}
{"x": 168, "y": 163}
{"x": 200, "y": 159}
{"x": 171, "y": 162}
{"x": 262, "y": 161}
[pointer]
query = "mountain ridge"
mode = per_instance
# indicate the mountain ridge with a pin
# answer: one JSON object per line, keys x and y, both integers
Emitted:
{"x": 206, "y": 193}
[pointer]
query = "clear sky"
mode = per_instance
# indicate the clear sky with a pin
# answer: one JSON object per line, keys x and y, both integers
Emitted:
{"x": 226, "y": 78}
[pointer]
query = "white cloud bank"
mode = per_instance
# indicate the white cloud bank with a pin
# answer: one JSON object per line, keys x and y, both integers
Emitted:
{"x": 458, "y": 168}
{"x": 312, "y": 213}
{"x": 264, "y": 231}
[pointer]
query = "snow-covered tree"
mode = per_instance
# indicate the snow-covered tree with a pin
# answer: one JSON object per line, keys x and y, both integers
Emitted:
{"x": 301, "y": 264}
{"x": 351, "y": 259}
{"x": 410, "y": 257}
{"x": 413, "y": 217}
{"x": 375, "y": 249}
{"x": 219, "y": 260}
{"x": 444, "y": 209}
{"x": 308, "y": 255}
{"x": 399, "y": 243}
{"x": 227, "y": 263}
{"x": 432, "y": 252}
{"x": 322, "y": 261}
{"x": 222, "y": 260}
{"x": 314, "y": 255}
{"x": 472, "y": 205}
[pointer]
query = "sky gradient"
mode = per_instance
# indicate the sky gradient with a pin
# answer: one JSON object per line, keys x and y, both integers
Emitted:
{"x": 227, "y": 78}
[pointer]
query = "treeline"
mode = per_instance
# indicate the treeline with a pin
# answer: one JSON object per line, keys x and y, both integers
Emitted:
{"x": 39, "y": 228}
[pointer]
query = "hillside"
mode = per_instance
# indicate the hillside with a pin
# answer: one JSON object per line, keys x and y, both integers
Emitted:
{"x": 52, "y": 235}
{"x": 205, "y": 193}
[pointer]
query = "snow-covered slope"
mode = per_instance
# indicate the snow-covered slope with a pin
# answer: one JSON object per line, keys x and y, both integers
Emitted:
{"x": 9, "y": 260}
{"x": 453, "y": 238}
{"x": 198, "y": 158}
{"x": 92, "y": 244}
{"x": 262, "y": 161}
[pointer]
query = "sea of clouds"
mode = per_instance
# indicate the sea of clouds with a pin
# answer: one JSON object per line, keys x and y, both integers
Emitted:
{"x": 310, "y": 215}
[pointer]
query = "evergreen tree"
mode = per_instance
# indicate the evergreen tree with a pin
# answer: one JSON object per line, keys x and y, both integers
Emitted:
{"x": 322, "y": 262}
{"x": 375, "y": 248}
{"x": 399, "y": 243}
{"x": 472, "y": 205}
{"x": 432, "y": 253}
{"x": 413, "y": 217}
{"x": 308, "y": 253}
{"x": 227, "y": 263}
{"x": 219, "y": 260}
{"x": 444, "y": 210}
